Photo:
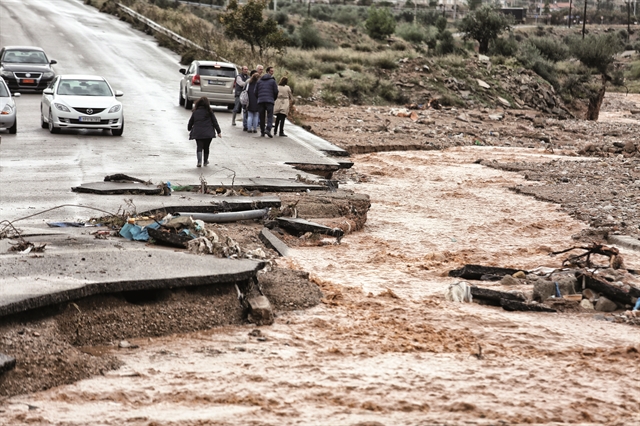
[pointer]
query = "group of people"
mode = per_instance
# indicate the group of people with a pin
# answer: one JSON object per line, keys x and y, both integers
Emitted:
{"x": 265, "y": 99}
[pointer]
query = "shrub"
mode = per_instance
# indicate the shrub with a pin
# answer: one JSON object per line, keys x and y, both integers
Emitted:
{"x": 356, "y": 88}
{"x": 281, "y": 18}
{"x": 427, "y": 17}
{"x": 380, "y": 23}
{"x": 321, "y": 12}
{"x": 347, "y": 16}
{"x": 327, "y": 68}
{"x": 309, "y": 36}
{"x": 356, "y": 67}
{"x": 446, "y": 44}
{"x": 399, "y": 45}
{"x": 441, "y": 23}
{"x": 329, "y": 96}
{"x": 303, "y": 88}
{"x": 385, "y": 62}
{"x": 450, "y": 100}
{"x": 596, "y": 51}
{"x": 551, "y": 48}
{"x": 633, "y": 72}
{"x": 405, "y": 16}
{"x": 504, "y": 46}
{"x": 314, "y": 74}
{"x": 389, "y": 92}
{"x": 412, "y": 33}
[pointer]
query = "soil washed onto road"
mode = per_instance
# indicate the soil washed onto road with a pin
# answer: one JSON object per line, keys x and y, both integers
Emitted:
{"x": 380, "y": 345}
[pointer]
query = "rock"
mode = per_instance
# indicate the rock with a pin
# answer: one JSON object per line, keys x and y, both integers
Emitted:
{"x": 483, "y": 84}
{"x": 509, "y": 280}
{"x": 590, "y": 295}
{"x": 605, "y": 305}
{"x": 504, "y": 102}
{"x": 6, "y": 363}
{"x": 124, "y": 344}
{"x": 496, "y": 117}
{"x": 483, "y": 58}
{"x": 586, "y": 304}
{"x": 629, "y": 147}
{"x": 519, "y": 275}
{"x": 260, "y": 311}
{"x": 538, "y": 122}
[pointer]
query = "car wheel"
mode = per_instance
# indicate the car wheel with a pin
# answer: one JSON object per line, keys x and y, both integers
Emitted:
{"x": 118, "y": 132}
{"x": 52, "y": 128}
{"x": 188, "y": 103}
{"x": 181, "y": 99}
{"x": 14, "y": 129}
{"x": 43, "y": 123}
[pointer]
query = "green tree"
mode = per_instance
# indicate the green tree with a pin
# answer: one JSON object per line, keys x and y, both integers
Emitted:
{"x": 246, "y": 22}
{"x": 380, "y": 23}
{"x": 597, "y": 52}
{"x": 474, "y": 4}
{"x": 309, "y": 36}
{"x": 485, "y": 25}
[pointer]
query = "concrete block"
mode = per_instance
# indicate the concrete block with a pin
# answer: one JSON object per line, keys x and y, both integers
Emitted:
{"x": 260, "y": 311}
{"x": 586, "y": 304}
{"x": 544, "y": 289}
{"x": 271, "y": 241}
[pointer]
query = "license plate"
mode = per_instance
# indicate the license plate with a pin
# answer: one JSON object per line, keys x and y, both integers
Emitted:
{"x": 89, "y": 119}
{"x": 216, "y": 82}
{"x": 28, "y": 80}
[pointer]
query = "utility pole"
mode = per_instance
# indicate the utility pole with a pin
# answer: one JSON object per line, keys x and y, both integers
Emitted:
{"x": 584, "y": 18}
{"x": 570, "y": 4}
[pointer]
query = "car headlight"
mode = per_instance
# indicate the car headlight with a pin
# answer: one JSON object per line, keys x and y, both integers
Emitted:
{"x": 6, "y": 73}
{"x": 115, "y": 108}
{"x": 8, "y": 109}
{"x": 61, "y": 107}
{"x": 48, "y": 74}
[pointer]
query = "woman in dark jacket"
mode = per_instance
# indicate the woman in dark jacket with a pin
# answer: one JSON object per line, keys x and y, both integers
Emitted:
{"x": 252, "y": 107}
{"x": 203, "y": 127}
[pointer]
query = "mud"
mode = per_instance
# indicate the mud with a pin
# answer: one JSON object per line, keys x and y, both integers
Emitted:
{"x": 384, "y": 346}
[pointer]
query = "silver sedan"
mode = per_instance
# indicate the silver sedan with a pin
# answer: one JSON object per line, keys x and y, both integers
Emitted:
{"x": 81, "y": 102}
{"x": 8, "y": 119}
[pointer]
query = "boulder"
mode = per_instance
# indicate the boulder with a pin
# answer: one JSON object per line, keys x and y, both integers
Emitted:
{"x": 605, "y": 305}
{"x": 586, "y": 304}
{"x": 509, "y": 280}
{"x": 260, "y": 311}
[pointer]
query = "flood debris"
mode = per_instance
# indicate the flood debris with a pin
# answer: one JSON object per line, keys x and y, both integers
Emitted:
{"x": 271, "y": 240}
{"x": 119, "y": 177}
{"x": 483, "y": 273}
{"x": 302, "y": 226}
{"x": 26, "y": 247}
{"x": 227, "y": 216}
{"x": 260, "y": 311}
{"x": 459, "y": 292}
{"x": 584, "y": 260}
{"x": 486, "y": 296}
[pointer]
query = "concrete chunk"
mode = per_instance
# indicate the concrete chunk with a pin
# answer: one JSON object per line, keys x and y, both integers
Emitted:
{"x": 260, "y": 311}
{"x": 271, "y": 241}
{"x": 6, "y": 363}
{"x": 605, "y": 305}
{"x": 302, "y": 226}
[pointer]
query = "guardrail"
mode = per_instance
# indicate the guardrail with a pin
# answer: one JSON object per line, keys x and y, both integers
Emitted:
{"x": 162, "y": 30}
{"x": 193, "y": 3}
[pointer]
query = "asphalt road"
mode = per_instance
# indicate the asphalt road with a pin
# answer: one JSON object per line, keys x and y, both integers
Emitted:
{"x": 38, "y": 169}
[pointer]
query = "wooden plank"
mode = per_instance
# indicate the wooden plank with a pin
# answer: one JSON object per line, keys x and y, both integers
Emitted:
{"x": 611, "y": 292}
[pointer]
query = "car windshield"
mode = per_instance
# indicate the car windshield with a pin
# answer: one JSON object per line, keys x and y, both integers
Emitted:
{"x": 25, "y": 57}
{"x": 4, "y": 93}
{"x": 84, "y": 88}
{"x": 213, "y": 71}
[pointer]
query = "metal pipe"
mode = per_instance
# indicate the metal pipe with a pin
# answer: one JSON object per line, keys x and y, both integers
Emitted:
{"x": 226, "y": 216}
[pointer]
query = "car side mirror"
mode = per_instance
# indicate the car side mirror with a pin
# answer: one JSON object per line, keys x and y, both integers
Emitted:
{"x": 48, "y": 91}
{"x": 183, "y": 71}
{"x": 16, "y": 95}
{"x": 119, "y": 93}
{"x": 53, "y": 62}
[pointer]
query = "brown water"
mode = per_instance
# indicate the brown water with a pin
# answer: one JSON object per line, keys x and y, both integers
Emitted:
{"x": 385, "y": 346}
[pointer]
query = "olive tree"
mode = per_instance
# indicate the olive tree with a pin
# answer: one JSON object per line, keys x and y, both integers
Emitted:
{"x": 597, "y": 52}
{"x": 246, "y": 22}
{"x": 380, "y": 23}
{"x": 485, "y": 25}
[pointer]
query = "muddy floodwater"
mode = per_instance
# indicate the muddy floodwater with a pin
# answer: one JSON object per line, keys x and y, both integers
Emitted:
{"x": 384, "y": 347}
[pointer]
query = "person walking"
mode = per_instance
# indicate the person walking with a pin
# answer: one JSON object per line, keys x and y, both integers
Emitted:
{"x": 203, "y": 127}
{"x": 267, "y": 92}
{"x": 252, "y": 108}
{"x": 239, "y": 86}
{"x": 282, "y": 105}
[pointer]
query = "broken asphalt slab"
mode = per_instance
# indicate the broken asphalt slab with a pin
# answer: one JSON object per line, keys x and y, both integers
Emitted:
{"x": 250, "y": 184}
{"x": 301, "y": 226}
{"x": 625, "y": 241}
{"x": 270, "y": 240}
{"x": 76, "y": 266}
{"x": 208, "y": 204}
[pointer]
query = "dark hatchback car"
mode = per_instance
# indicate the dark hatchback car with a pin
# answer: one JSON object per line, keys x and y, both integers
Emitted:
{"x": 25, "y": 68}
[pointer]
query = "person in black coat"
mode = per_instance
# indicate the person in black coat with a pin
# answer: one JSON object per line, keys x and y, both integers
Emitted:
{"x": 203, "y": 127}
{"x": 267, "y": 93}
